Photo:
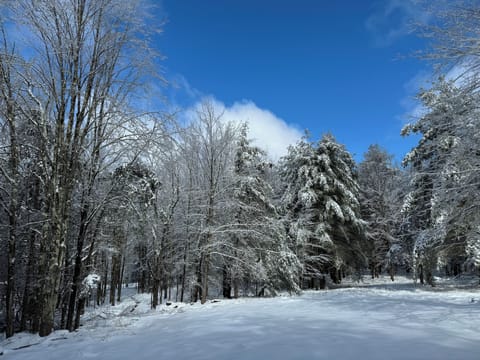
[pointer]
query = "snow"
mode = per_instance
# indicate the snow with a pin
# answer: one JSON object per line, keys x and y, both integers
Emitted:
{"x": 91, "y": 280}
{"x": 333, "y": 205}
{"x": 383, "y": 320}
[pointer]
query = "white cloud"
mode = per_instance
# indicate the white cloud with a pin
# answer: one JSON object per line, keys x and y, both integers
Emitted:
{"x": 392, "y": 20}
{"x": 266, "y": 130}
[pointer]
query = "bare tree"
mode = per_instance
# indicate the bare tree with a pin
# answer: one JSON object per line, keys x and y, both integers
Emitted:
{"x": 9, "y": 114}
{"x": 215, "y": 139}
{"x": 85, "y": 66}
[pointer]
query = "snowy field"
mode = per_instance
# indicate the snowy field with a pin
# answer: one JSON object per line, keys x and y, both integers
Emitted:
{"x": 383, "y": 321}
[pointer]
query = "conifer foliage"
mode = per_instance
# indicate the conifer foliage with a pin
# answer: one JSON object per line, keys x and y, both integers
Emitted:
{"x": 322, "y": 206}
{"x": 260, "y": 255}
{"x": 439, "y": 209}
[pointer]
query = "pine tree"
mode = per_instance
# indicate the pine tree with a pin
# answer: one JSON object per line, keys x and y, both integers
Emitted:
{"x": 427, "y": 207}
{"x": 452, "y": 234}
{"x": 321, "y": 200}
{"x": 258, "y": 240}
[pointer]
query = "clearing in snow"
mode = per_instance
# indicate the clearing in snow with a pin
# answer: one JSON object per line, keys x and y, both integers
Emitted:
{"x": 395, "y": 321}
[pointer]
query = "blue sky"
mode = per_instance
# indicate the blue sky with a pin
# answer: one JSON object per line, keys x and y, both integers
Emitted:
{"x": 330, "y": 66}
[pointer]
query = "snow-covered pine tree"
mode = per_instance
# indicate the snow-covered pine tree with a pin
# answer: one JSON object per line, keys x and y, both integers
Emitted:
{"x": 455, "y": 206}
{"x": 258, "y": 251}
{"x": 459, "y": 196}
{"x": 428, "y": 207}
{"x": 452, "y": 33}
{"x": 322, "y": 207}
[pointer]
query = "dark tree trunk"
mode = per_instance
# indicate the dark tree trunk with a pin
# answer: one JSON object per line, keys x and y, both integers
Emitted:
{"x": 155, "y": 290}
{"x": 156, "y": 283}
{"x": 205, "y": 271}
{"x": 184, "y": 273}
{"x": 430, "y": 279}
{"x": 13, "y": 163}
{"x": 197, "y": 291}
{"x": 80, "y": 310}
{"x": 227, "y": 284}
{"x": 334, "y": 275}
{"x": 323, "y": 282}
{"x": 10, "y": 295}
{"x": 114, "y": 277}
{"x": 420, "y": 269}
{"x": 77, "y": 272}
{"x": 392, "y": 272}
{"x": 120, "y": 279}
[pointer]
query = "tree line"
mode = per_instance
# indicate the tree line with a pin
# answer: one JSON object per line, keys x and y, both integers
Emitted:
{"x": 96, "y": 192}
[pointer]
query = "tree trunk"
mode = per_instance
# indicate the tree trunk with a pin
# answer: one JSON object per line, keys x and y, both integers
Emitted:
{"x": 156, "y": 275}
{"x": 155, "y": 290}
{"x": 323, "y": 283}
{"x": 197, "y": 291}
{"x": 76, "y": 280}
{"x": 177, "y": 288}
{"x": 334, "y": 275}
{"x": 27, "y": 297}
{"x": 10, "y": 295}
{"x": 227, "y": 285}
{"x": 80, "y": 309}
{"x": 184, "y": 273}
{"x": 63, "y": 298}
{"x": 120, "y": 278}
{"x": 13, "y": 162}
{"x": 206, "y": 254}
{"x": 53, "y": 259}
{"x": 392, "y": 272}
{"x": 114, "y": 277}
{"x": 205, "y": 269}
{"x": 420, "y": 268}
{"x": 105, "y": 277}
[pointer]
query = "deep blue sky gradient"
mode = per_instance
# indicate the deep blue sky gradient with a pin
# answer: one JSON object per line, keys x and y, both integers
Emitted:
{"x": 329, "y": 66}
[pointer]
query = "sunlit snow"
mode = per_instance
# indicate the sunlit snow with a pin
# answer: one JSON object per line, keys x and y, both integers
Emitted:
{"x": 383, "y": 321}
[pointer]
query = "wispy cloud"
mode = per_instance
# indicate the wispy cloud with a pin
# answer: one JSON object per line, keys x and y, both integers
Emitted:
{"x": 413, "y": 109}
{"x": 181, "y": 85}
{"x": 266, "y": 129}
{"x": 392, "y": 20}
{"x": 460, "y": 74}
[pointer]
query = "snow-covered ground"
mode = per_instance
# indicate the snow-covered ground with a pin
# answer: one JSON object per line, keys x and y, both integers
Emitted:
{"x": 375, "y": 321}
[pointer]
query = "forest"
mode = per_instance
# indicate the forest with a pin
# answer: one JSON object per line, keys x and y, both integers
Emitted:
{"x": 97, "y": 192}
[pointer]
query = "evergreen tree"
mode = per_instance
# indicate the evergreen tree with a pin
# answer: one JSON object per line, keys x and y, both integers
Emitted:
{"x": 321, "y": 201}
{"x": 427, "y": 208}
{"x": 453, "y": 45}
{"x": 259, "y": 253}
